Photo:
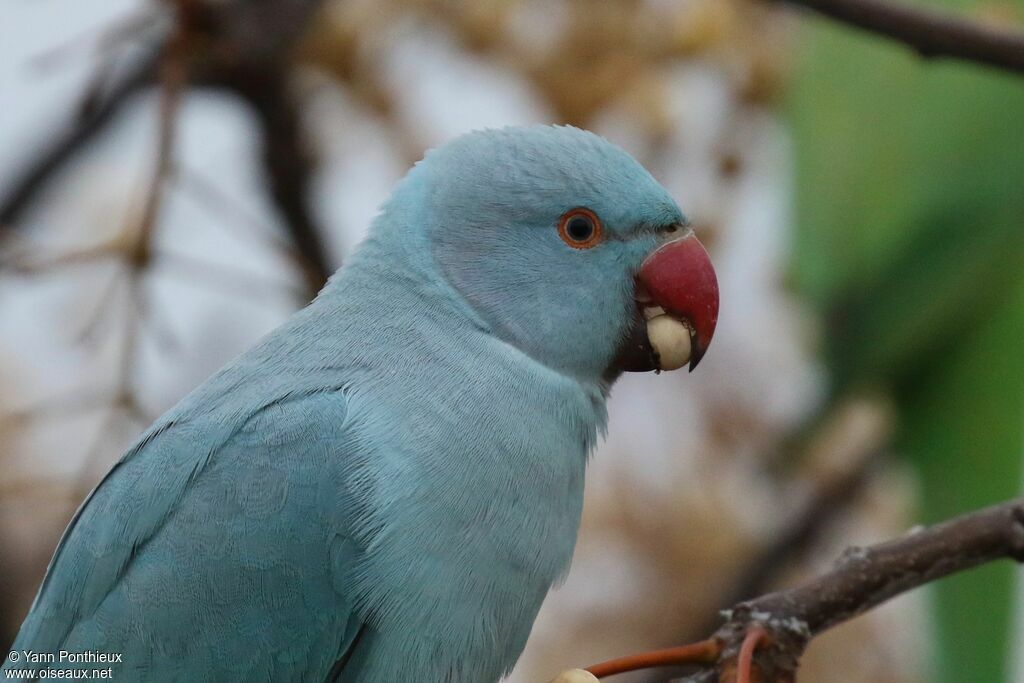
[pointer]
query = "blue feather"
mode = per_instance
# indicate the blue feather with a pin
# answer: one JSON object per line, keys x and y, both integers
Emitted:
{"x": 385, "y": 487}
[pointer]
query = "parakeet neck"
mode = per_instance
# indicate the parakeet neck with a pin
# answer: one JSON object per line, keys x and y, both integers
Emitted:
{"x": 392, "y": 285}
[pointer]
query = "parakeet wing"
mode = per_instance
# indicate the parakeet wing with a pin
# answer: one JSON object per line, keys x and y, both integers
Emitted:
{"x": 215, "y": 550}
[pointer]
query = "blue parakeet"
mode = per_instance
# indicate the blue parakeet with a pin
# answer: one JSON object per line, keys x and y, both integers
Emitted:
{"x": 385, "y": 488}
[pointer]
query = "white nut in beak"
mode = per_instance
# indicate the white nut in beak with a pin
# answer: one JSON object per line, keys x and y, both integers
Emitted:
{"x": 670, "y": 339}
{"x": 575, "y": 676}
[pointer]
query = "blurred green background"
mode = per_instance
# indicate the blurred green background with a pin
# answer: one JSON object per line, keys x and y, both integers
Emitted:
{"x": 910, "y": 196}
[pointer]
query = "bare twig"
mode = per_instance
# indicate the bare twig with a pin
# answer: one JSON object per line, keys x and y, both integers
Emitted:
{"x": 102, "y": 99}
{"x": 755, "y": 638}
{"x": 173, "y": 76}
{"x": 240, "y": 47}
{"x": 205, "y": 47}
{"x": 22, "y": 192}
{"x": 931, "y": 34}
{"x": 703, "y": 652}
{"x": 234, "y": 216}
{"x": 780, "y": 625}
{"x": 866, "y": 577}
{"x": 128, "y": 29}
{"x": 289, "y": 166}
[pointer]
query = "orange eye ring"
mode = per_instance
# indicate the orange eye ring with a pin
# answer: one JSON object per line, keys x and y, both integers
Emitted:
{"x": 580, "y": 228}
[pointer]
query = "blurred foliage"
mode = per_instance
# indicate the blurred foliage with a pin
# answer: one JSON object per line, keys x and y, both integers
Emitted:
{"x": 911, "y": 242}
{"x": 580, "y": 56}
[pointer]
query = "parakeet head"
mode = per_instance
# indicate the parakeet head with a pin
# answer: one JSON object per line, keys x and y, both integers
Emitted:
{"x": 567, "y": 249}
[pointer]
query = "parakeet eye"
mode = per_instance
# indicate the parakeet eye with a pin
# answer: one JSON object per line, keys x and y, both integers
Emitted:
{"x": 580, "y": 228}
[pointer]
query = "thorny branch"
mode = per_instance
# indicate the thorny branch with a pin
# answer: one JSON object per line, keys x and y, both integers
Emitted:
{"x": 781, "y": 624}
{"x": 931, "y": 34}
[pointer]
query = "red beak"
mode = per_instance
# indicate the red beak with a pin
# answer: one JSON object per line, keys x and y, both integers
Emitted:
{"x": 680, "y": 279}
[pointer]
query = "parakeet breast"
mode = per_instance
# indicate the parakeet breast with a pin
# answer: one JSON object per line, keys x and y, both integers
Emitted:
{"x": 467, "y": 496}
{"x": 466, "y": 555}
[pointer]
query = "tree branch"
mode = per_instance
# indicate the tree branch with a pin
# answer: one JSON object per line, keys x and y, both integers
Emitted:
{"x": 289, "y": 165}
{"x": 240, "y": 46}
{"x": 931, "y": 34}
{"x": 22, "y": 192}
{"x": 866, "y": 577}
{"x": 861, "y": 580}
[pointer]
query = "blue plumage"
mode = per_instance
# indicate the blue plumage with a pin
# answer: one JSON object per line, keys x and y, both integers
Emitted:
{"x": 385, "y": 488}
